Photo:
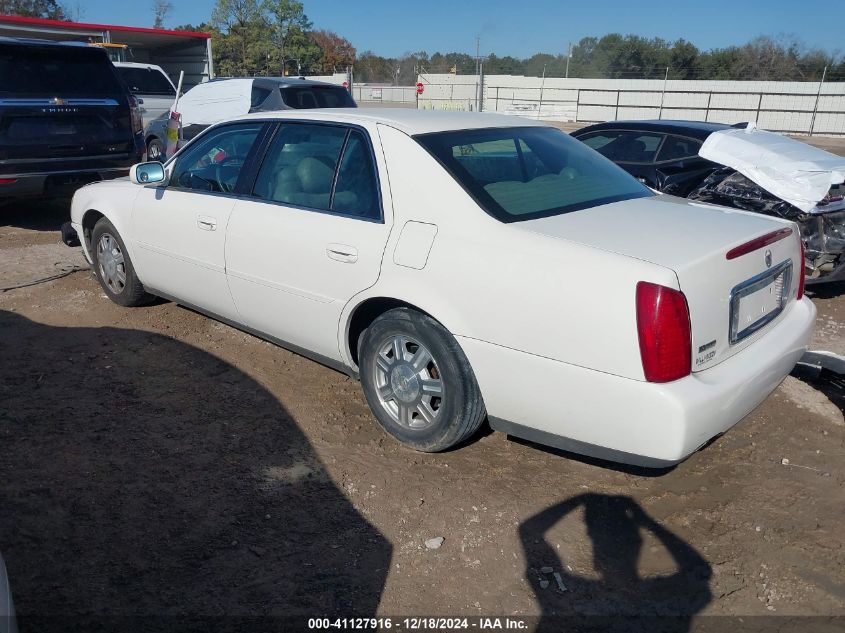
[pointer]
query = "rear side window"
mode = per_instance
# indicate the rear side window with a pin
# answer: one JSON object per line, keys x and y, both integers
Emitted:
{"x": 320, "y": 167}
{"x": 531, "y": 172}
{"x": 678, "y": 147}
{"x": 57, "y": 71}
{"x": 258, "y": 96}
{"x": 146, "y": 81}
{"x": 622, "y": 146}
{"x": 305, "y": 97}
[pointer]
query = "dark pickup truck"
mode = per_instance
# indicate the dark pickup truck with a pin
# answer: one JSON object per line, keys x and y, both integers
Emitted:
{"x": 66, "y": 118}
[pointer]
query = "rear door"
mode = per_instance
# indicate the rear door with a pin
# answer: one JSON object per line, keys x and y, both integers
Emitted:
{"x": 60, "y": 106}
{"x": 311, "y": 237}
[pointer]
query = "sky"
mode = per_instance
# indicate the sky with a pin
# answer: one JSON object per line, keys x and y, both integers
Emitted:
{"x": 522, "y": 27}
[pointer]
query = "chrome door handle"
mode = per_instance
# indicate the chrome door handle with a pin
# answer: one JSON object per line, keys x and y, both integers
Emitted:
{"x": 342, "y": 253}
{"x": 206, "y": 223}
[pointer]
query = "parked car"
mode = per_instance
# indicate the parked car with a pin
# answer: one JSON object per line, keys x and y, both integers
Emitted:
{"x": 66, "y": 118}
{"x": 7, "y": 607}
{"x": 463, "y": 268}
{"x": 742, "y": 167}
{"x": 221, "y": 99}
{"x": 150, "y": 85}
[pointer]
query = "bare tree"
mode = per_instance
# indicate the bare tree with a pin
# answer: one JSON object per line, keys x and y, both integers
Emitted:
{"x": 160, "y": 9}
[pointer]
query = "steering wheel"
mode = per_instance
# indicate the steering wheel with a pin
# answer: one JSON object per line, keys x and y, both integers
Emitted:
{"x": 231, "y": 161}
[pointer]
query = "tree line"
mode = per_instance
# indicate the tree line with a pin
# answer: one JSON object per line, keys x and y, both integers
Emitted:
{"x": 275, "y": 37}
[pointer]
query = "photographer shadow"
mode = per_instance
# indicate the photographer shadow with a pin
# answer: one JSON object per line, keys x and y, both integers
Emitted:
{"x": 619, "y": 598}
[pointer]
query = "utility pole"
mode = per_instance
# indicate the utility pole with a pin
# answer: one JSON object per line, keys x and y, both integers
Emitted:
{"x": 818, "y": 95}
{"x": 477, "y": 53}
{"x": 663, "y": 94}
{"x": 568, "y": 56}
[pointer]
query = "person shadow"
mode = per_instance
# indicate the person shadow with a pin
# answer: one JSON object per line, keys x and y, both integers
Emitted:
{"x": 619, "y": 598}
{"x": 148, "y": 485}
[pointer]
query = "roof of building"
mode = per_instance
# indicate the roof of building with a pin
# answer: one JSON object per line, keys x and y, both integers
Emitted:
{"x": 85, "y": 26}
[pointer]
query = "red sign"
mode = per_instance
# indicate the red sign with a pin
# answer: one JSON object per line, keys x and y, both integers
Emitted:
{"x": 346, "y": 85}
{"x": 419, "y": 88}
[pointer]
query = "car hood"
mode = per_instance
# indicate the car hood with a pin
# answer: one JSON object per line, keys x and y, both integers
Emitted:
{"x": 793, "y": 171}
{"x": 661, "y": 229}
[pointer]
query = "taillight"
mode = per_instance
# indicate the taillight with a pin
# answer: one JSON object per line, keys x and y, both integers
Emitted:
{"x": 135, "y": 113}
{"x": 801, "y": 270}
{"x": 8, "y": 181}
{"x": 664, "y": 331}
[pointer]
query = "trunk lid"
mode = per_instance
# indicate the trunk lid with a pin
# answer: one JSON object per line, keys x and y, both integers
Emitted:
{"x": 693, "y": 240}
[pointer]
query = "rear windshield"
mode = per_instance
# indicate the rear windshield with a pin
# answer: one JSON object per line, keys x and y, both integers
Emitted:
{"x": 305, "y": 97}
{"x": 56, "y": 71}
{"x": 146, "y": 81}
{"x": 530, "y": 172}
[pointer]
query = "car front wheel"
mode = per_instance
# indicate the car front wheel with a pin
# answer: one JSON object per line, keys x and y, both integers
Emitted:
{"x": 155, "y": 150}
{"x": 418, "y": 382}
{"x": 114, "y": 268}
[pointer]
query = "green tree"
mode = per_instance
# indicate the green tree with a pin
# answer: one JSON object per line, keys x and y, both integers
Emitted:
{"x": 241, "y": 38}
{"x": 49, "y": 9}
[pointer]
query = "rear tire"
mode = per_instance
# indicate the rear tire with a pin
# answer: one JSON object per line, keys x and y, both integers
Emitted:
{"x": 418, "y": 381}
{"x": 113, "y": 267}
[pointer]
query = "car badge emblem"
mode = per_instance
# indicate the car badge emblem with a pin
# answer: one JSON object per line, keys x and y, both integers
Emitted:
{"x": 768, "y": 259}
{"x": 57, "y": 101}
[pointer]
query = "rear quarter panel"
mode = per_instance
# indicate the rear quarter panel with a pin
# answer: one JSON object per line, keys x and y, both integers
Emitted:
{"x": 505, "y": 285}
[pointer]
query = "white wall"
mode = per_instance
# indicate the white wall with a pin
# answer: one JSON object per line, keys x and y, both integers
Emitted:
{"x": 780, "y": 106}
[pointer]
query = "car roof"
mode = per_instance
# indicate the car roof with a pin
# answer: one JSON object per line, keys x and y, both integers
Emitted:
{"x": 407, "y": 120}
{"x": 273, "y": 82}
{"x": 694, "y": 129}
{"x": 136, "y": 65}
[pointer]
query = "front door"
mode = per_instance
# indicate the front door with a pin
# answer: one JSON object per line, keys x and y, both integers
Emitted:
{"x": 311, "y": 236}
{"x": 180, "y": 229}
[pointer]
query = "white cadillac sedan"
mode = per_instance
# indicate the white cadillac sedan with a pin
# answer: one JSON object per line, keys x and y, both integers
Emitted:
{"x": 466, "y": 267}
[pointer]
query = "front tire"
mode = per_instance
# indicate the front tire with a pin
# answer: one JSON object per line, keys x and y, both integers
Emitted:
{"x": 113, "y": 267}
{"x": 156, "y": 151}
{"x": 418, "y": 382}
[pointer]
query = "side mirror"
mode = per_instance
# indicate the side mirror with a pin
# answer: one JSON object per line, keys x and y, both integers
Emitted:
{"x": 147, "y": 173}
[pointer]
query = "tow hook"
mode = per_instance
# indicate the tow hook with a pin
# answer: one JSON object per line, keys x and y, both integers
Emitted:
{"x": 69, "y": 235}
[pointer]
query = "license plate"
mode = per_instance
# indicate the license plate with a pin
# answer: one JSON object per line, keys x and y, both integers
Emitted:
{"x": 63, "y": 129}
{"x": 758, "y": 301}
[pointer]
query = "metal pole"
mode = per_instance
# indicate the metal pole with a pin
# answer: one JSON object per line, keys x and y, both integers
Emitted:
{"x": 480, "y": 86}
{"x": 816, "y": 106}
{"x": 542, "y": 85}
{"x": 568, "y": 55}
{"x": 663, "y": 94}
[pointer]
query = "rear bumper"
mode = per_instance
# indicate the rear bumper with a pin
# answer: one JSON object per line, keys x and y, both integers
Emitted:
{"x": 631, "y": 421}
{"x": 55, "y": 183}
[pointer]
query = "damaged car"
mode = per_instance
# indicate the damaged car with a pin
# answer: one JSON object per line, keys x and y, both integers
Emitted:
{"x": 738, "y": 166}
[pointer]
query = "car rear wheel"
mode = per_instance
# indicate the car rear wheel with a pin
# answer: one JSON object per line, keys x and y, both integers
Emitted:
{"x": 418, "y": 382}
{"x": 114, "y": 268}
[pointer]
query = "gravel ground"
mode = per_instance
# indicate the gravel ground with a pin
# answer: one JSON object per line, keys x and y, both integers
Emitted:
{"x": 153, "y": 461}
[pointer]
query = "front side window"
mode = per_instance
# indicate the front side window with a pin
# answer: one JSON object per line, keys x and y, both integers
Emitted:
{"x": 213, "y": 162}
{"x": 146, "y": 81}
{"x": 320, "y": 167}
{"x": 678, "y": 147}
{"x": 623, "y": 146}
{"x": 531, "y": 172}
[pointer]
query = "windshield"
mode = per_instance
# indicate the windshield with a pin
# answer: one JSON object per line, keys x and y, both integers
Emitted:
{"x": 304, "y": 97}
{"x": 530, "y": 172}
{"x": 146, "y": 81}
{"x": 56, "y": 71}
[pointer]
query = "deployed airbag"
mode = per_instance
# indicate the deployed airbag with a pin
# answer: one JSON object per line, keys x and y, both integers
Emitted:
{"x": 796, "y": 172}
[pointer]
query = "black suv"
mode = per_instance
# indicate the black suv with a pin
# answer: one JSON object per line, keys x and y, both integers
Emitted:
{"x": 66, "y": 118}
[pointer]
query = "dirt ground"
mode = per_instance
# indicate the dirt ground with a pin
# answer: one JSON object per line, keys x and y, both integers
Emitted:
{"x": 153, "y": 461}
